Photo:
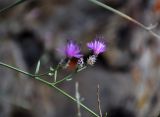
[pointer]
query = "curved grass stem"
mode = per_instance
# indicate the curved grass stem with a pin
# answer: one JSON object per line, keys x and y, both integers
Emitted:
{"x": 126, "y": 17}
{"x": 12, "y": 5}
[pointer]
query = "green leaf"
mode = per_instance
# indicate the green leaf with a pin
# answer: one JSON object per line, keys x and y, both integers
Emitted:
{"x": 38, "y": 67}
{"x": 106, "y": 115}
{"x": 51, "y": 69}
{"x": 50, "y": 74}
{"x": 55, "y": 76}
{"x": 69, "y": 79}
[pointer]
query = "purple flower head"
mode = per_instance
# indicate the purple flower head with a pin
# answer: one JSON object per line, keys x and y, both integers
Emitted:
{"x": 97, "y": 46}
{"x": 72, "y": 50}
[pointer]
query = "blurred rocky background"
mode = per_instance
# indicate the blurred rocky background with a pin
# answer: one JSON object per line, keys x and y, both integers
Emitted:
{"x": 128, "y": 73}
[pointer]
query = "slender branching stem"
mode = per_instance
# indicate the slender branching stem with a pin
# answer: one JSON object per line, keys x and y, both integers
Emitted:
{"x": 16, "y": 69}
{"x": 68, "y": 76}
{"x": 21, "y": 71}
{"x": 51, "y": 85}
{"x": 62, "y": 80}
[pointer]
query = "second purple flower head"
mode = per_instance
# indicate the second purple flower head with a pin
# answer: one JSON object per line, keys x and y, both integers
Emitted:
{"x": 97, "y": 46}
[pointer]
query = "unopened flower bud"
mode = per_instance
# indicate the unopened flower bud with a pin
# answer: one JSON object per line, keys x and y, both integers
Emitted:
{"x": 91, "y": 60}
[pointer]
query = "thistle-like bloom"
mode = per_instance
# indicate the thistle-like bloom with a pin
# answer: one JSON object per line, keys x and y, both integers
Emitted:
{"x": 72, "y": 50}
{"x": 97, "y": 46}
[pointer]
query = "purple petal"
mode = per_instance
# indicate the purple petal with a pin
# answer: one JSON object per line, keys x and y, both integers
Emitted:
{"x": 97, "y": 46}
{"x": 72, "y": 50}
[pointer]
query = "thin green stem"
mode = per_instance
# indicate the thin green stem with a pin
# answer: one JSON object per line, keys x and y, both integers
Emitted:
{"x": 51, "y": 85}
{"x": 39, "y": 75}
{"x": 12, "y": 5}
{"x": 73, "y": 99}
{"x": 21, "y": 71}
{"x": 67, "y": 95}
{"x": 69, "y": 76}
{"x": 16, "y": 69}
{"x": 81, "y": 69}
{"x": 125, "y": 16}
{"x": 56, "y": 71}
{"x": 64, "y": 79}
